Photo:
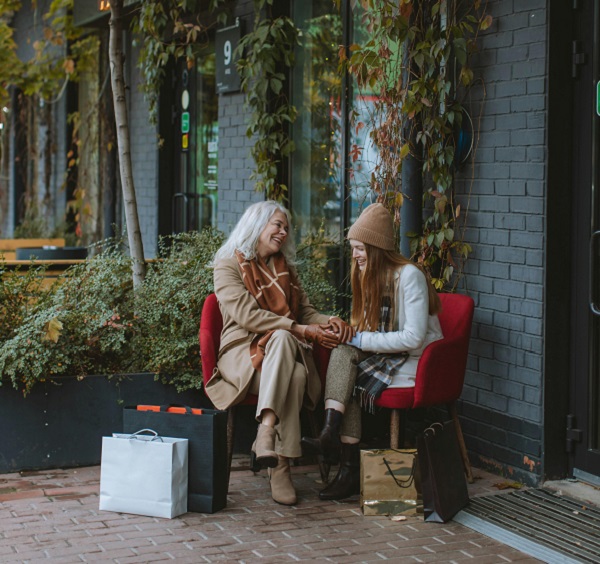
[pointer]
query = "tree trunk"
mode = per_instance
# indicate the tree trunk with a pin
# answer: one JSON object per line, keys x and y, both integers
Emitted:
{"x": 116, "y": 57}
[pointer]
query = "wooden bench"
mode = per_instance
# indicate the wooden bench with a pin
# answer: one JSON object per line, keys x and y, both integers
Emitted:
{"x": 8, "y": 247}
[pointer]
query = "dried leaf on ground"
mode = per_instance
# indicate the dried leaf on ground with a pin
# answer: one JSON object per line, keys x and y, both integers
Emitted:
{"x": 507, "y": 485}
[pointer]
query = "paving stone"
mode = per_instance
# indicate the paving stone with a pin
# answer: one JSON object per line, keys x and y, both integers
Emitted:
{"x": 62, "y": 523}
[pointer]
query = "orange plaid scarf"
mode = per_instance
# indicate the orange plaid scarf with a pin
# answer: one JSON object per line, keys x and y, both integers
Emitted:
{"x": 275, "y": 290}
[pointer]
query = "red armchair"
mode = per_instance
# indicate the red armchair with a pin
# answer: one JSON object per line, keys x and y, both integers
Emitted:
{"x": 211, "y": 325}
{"x": 440, "y": 373}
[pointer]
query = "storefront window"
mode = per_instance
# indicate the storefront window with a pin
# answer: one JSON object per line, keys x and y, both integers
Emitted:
{"x": 204, "y": 161}
{"x": 317, "y": 162}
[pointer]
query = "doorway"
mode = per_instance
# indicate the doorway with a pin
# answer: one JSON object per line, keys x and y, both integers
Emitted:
{"x": 583, "y": 424}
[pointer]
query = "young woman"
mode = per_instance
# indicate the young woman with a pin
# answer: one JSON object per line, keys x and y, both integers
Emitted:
{"x": 268, "y": 328}
{"x": 394, "y": 308}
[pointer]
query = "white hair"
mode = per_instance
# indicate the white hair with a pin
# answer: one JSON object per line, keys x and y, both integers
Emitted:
{"x": 245, "y": 234}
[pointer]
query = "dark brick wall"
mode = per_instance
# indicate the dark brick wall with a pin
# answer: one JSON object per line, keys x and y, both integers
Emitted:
{"x": 502, "y": 398}
{"x": 236, "y": 190}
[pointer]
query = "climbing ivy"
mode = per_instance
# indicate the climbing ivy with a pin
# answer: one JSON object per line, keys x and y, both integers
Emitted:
{"x": 265, "y": 54}
{"x": 416, "y": 59}
{"x": 169, "y": 30}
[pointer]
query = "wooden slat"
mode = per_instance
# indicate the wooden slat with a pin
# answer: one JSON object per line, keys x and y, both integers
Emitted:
{"x": 12, "y": 244}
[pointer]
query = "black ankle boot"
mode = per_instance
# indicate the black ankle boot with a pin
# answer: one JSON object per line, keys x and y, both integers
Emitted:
{"x": 328, "y": 441}
{"x": 347, "y": 481}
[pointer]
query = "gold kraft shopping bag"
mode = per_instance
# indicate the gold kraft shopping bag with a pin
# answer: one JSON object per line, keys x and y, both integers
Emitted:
{"x": 389, "y": 482}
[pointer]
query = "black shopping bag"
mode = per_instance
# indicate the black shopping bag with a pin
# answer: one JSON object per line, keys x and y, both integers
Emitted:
{"x": 206, "y": 431}
{"x": 443, "y": 482}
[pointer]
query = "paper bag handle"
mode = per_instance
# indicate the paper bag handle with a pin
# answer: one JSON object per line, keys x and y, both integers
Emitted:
{"x": 152, "y": 432}
{"x": 403, "y": 483}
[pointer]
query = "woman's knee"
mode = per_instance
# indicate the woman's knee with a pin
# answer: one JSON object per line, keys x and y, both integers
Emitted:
{"x": 281, "y": 337}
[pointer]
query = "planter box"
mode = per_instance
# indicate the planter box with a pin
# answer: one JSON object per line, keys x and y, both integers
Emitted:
{"x": 61, "y": 422}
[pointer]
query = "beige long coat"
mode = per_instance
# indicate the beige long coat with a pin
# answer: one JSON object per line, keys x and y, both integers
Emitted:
{"x": 242, "y": 320}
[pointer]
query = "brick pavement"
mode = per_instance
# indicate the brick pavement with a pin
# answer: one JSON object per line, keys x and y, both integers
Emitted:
{"x": 53, "y": 516}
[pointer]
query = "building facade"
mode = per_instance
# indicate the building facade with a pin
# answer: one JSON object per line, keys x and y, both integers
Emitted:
{"x": 530, "y": 404}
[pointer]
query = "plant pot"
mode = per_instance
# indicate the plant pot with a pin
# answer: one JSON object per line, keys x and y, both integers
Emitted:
{"x": 62, "y": 421}
{"x": 51, "y": 253}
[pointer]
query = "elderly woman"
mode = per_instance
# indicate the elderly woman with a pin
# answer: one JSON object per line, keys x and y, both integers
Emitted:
{"x": 266, "y": 344}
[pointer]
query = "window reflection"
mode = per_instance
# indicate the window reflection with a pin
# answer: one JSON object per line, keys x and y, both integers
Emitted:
{"x": 317, "y": 162}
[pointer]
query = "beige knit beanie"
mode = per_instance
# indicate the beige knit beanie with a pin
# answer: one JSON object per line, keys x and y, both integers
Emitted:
{"x": 375, "y": 226}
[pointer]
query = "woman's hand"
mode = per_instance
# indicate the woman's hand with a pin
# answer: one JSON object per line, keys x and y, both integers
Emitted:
{"x": 344, "y": 331}
{"x": 321, "y": 334}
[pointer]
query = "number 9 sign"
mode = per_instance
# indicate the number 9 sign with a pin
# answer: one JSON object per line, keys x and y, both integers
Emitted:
{"x": 227, "y": 52}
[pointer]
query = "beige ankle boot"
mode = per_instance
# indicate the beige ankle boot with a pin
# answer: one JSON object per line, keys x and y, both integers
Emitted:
{"x": 282, "y": 489}
{"x": 264, "y": 445}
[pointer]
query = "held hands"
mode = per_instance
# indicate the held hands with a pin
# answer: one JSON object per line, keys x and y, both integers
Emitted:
{"x": 321, "y": 334}
{"x": 344, "y": 331}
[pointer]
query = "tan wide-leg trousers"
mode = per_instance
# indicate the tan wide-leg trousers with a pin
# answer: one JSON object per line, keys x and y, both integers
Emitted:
{"x": 341, "y": 375}
{"x": 280, "y": 386}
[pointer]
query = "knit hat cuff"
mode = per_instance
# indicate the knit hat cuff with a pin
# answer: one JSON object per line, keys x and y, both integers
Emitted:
{"x": 370, "y": 237}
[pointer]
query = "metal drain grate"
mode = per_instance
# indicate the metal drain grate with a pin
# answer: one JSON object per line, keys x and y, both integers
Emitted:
{"x": 538, "y": 522}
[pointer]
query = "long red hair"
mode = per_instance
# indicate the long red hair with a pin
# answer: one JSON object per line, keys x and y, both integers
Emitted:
{"x": 369, "y": 287}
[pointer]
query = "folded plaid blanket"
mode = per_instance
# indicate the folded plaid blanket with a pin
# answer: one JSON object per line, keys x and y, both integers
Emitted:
{"x": 375, "y": 375}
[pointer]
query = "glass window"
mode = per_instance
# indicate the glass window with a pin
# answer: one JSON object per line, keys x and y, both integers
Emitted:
{"x": 204, "y": 159}
{"x": 316, "y": 164}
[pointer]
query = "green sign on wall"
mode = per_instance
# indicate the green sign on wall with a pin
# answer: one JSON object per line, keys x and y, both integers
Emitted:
{"x": 598, "y": 97}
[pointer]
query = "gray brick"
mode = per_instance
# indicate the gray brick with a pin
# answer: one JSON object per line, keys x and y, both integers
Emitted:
{"x": 494, "y": 334}
{"x": 494, "y": 237}
{"x": 479, "y": 381}
{"x": 510, "y": 154}
{"x": 535, "y": 293}
{"x": 495, "y": 40}
{"x": 512, "y": 122}
{"x": 510, "y": 187}
{"x": 536, "y": 188}
{"x": 535, "y": 223}
{"x": 509, "y": 355}
{"x": 510, "y": 56}
{"x": 481, "y": 349}
{"x": 530, "y": 35}
{"x": 533, "y": 361}
{"x": 528, "y": 240}
{"x": 535, "y": 171}
{"x": 498, "y": 106}
{"x": 536, "y": 120}
{"x": 538, "y": 51}
{"x": 516, "y": 20}
{"x": 528, "y": 103}
{"x": 493, "y": 203}
{"x": 535, "y": 258}
{"x": 534, "y": 327}
{"x": 484, "y": 252}
{"x": 493, "y": 302}
{"x": 529, "y": 5}
{"x": 529, "y": 137}
{"x": 493, "y": 269}
{"x": 536, "y": 86}
{"x": 510, "y": 254}
{"x": 526, "y": 308}
{"x": 526, "y": 376}
{"x": 508, "y": 389}
{"x": 492, "y": 400}
{"x": 536, "y": 154}
{"x": 509, "y": 288}
{"x": 512, "y": 88}
{"x": 528, "y": 274}
{"x": 495, "y": 139}
{"x": 525, "y": 410}
{"x": 509, "y": 221}
{"x": 508, "y": 321}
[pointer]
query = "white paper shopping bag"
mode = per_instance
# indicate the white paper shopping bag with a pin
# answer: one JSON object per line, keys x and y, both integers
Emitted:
{"x": 144, "y": 474}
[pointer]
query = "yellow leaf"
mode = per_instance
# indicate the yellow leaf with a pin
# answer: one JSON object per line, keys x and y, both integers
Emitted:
{"x": 52, "y": 330}
{"x": 69, "y": 66}
{"x": 404, "y": 151}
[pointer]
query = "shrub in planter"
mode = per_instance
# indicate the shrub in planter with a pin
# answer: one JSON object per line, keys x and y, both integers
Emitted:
{"x": 92, "y": 322}
{"x": 82, "y": 325}
{"x": 169, "y": 304}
